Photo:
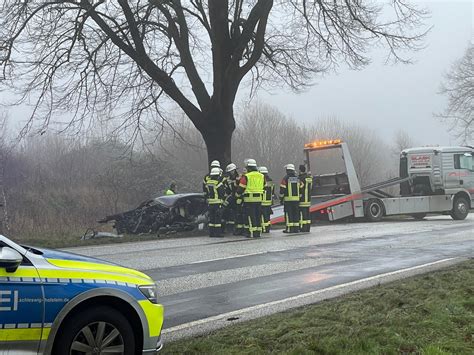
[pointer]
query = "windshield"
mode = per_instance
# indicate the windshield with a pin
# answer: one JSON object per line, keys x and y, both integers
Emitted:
{"x": 326, "y": 161}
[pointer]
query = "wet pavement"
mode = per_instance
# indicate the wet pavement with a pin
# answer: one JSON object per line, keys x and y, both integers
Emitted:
{"x": 201, "y": 277}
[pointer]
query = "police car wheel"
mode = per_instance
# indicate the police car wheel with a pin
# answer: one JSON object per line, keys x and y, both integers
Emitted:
{"x": 99, "y": 330}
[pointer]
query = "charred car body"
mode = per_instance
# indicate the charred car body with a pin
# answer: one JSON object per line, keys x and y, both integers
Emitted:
{"x": 164, "y": 214}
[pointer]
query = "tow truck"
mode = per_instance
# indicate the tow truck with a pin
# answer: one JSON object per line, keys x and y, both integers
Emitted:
{"x": 432, "y": 180}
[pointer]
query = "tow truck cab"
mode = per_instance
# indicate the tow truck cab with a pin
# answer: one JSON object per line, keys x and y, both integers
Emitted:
{"x": 437, "y": 170}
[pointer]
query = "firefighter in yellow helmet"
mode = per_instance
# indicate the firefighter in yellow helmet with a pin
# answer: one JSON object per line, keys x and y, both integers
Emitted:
{"x": 251, "y": 188}
{"x": 290, "y": 190}
{"x": 214, "y": 191}
{"x": 306, "y": 181}
{"x": 267, "y": 201}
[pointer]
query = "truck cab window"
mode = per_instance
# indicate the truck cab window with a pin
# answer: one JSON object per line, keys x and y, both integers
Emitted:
{"x": 464, "y": 161}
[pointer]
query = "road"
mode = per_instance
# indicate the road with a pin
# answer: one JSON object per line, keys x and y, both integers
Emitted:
{"x": 208, "y": 283}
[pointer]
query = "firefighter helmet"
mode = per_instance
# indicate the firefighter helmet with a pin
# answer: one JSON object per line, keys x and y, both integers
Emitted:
{"x": 215, "y": 164}
{"x": 263, "y": 170}
{"x": 290, "y": 167}
{"x": 215, "y": 171}
{"x": 251, "y": 162}
{"x": 230, "y": 167}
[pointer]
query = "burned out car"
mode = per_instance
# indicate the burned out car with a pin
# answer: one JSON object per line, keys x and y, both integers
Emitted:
{"x": 164, "y": 214}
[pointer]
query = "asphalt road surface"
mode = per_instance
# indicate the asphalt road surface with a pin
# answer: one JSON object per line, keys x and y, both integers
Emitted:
{"x": 206, "y": 283}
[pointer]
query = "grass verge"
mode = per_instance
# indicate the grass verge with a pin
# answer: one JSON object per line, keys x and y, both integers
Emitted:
{"x": 429, "y": 314}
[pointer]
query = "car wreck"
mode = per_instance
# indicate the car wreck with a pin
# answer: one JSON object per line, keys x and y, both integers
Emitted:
{"x": 162, "y": 215}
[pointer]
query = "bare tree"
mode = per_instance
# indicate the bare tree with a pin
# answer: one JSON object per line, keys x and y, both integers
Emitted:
{"x": 101, "y": 58}
{"x": 267, "y": 135}
{"x": 274, "y": 140}
{"x": 402, "y": 141}
{"x": 458, "y": 87}
{"x": 5, "y": 151}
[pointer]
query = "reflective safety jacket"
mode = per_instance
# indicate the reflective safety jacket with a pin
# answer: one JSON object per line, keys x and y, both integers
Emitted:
{"x": 169, "y": 192}
{"x": 306, "y": 180}
{"x": 252, "y": 185}
{"x": 214, "y": 190}
{"x": 269, "y": 191}
{"x": 290, "y": 188}
{"x": 231, "y": 184}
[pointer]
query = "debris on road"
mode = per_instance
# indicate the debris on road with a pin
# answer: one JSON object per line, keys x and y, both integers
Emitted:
{"x": 93, "y": 234}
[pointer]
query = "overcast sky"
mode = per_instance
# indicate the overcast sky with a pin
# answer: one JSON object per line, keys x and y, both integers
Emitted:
{"x": 384, "y": 97}
{"x": 389, "y": 98}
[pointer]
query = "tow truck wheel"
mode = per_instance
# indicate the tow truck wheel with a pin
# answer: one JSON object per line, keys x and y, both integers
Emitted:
{"x": 374, "y": 210}
{"x": 460, "y": 208}
{"x": 99, "y": 330}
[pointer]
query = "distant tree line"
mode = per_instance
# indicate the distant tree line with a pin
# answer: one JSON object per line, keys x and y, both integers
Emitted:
{"x": 55, "y": 184}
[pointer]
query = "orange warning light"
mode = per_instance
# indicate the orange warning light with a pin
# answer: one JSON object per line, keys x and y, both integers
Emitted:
{"x": 317, "y": 144}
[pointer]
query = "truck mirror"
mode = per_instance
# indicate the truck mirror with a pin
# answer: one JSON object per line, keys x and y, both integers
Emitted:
{"x": 10, "y": 259}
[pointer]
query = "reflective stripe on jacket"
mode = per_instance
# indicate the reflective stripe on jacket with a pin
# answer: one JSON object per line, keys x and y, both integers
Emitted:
{"x": 269, "y": 191}
{"x": 290, "y": 188}
{"x": 254, "y": 186}
{"x": 214, "y": 191}
{"x": 306, "y": 191}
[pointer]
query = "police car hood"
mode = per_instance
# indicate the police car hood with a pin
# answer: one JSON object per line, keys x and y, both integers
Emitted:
{"x": 71, "y": 261}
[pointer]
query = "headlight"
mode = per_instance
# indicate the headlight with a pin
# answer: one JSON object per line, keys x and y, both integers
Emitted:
{"x": 150, "y": 292}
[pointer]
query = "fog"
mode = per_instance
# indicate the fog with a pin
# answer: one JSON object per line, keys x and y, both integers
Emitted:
{"x": 391, "y": 97}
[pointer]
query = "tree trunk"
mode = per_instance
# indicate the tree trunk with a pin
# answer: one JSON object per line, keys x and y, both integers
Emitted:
{"x": 217, "y": 135}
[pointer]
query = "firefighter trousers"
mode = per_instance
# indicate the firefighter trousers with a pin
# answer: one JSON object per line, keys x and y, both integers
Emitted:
{"x": 305, "y": 219}
{"x": 266, "y": 213}
{"x": 229, "y": 217}
{"x": 215, "y": 220}
{"x": 292, "y": 216}
{"x": 253, "y": 219}
{"x": 239, "y": 219}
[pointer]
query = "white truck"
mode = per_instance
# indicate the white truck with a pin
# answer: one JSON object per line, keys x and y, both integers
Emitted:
{"x": 432, "y": 180}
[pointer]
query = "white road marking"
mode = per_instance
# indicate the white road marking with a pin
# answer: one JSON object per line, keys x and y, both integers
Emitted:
{"x": 236, "y": 256}
{"x": 289, "y": 299}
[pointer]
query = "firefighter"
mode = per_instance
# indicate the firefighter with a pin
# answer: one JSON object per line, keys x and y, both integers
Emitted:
{"x": 306, "y": 180}
{"x": 290, "y": 188}
{"x": 267, "y": 200}
{"x": 214, "y": 191}
{"x": 239, "y": 206}
{"x": 171, "y": 190}
{"x": 251, "y": 188}
{"x": 230, "y": 182}
{"x": 214, "y": 164}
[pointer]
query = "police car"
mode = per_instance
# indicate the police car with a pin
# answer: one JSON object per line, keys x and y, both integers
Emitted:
{"x": 53, "y": 302}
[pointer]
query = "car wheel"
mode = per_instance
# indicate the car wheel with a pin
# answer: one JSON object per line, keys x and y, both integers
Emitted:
{"x": 374, "y": 210}
{"x": 418, "y": 216}
{"x": 99, "y": 330}
{"x": 460, "y": 208}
